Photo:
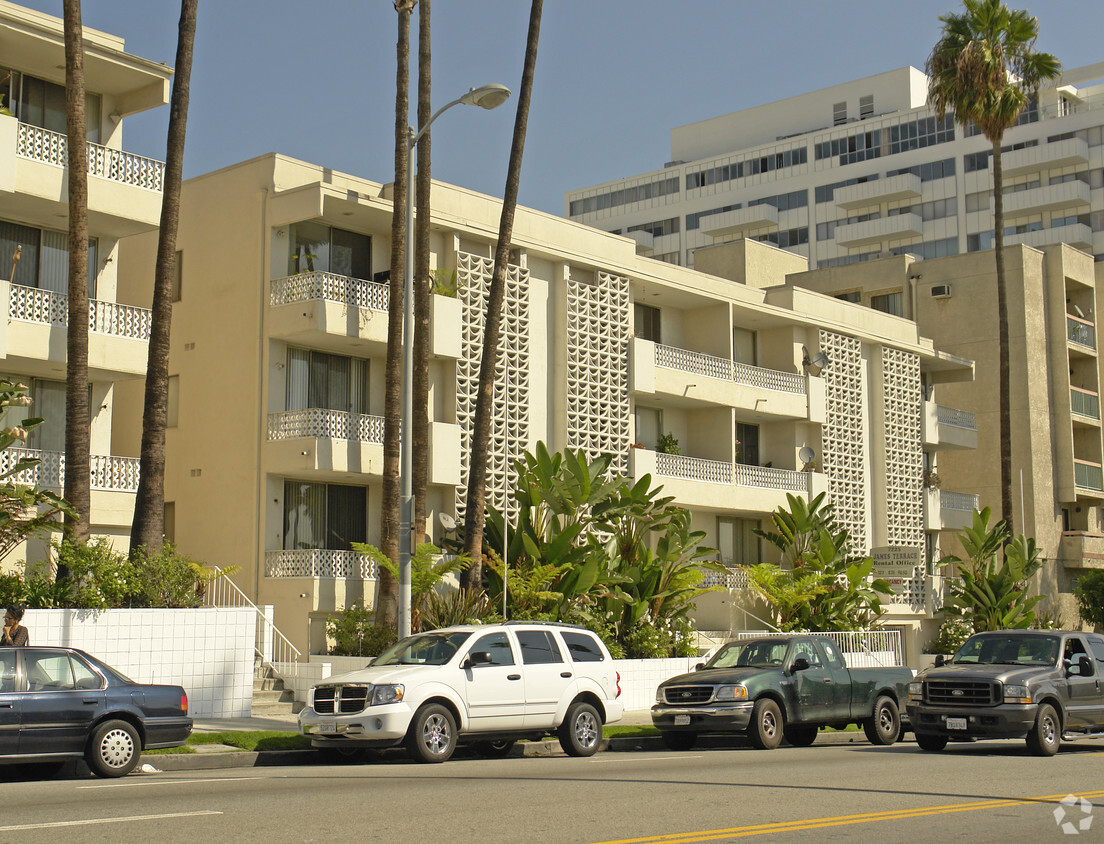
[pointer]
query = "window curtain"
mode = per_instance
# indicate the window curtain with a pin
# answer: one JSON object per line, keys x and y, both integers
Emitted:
{"x": 48, "y": 403}
{"x": 737, "y": 541}
{"x": 304, "y": 515}
{"x": 359, "y": 386}
{"x": 298, "y": 379}
{"x": 346, "y": 520}
{"x": 54, "y": 272}
{"x": 13, "y": 235}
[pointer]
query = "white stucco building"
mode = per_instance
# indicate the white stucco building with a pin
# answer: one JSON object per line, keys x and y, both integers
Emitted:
{"x": 864, "y": 169}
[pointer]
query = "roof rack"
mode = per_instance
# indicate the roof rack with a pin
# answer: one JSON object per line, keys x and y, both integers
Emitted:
{"x": 547, "y": 623}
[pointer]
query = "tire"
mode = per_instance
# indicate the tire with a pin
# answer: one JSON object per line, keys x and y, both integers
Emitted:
{"x": 494, "y": 749}
{"x": 580, "y": 734}
{"x": 432, "y": 735}
{"x": 678, "y": 741}
{"x": 765, "y": 729}
{"x": 1046, "y": 733}
{"x": 800, "y": 736}
{"x": 114, "y": 749}
{"x": 884, "y": 726}
{"x": 931, "y": 742}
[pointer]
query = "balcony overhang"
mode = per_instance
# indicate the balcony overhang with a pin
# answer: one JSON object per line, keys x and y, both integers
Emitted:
{"x": 1073, "y": 195}
{"x": 740, "y": 221}
{"x": 1071, "y": 151}
{"x": 901, "y": 186}
{"x": 349, "y": 209}
{"x": 881, "y": 229}
{"x": 1077, "y": 235}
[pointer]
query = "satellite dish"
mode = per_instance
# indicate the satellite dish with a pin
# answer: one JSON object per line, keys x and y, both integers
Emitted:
{"x": 806, "y": 455}
{"x": 447, "y": 521}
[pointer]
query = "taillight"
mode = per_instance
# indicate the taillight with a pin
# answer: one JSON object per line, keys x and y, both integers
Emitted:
{"x": 184, "y": 702}
{"x": 618, "y": 673}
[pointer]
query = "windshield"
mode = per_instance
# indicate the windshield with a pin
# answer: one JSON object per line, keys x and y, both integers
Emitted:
{"x": 1009, "y": 649}
{"x": 750, "y": 654}
{"x": 423, "y": 649}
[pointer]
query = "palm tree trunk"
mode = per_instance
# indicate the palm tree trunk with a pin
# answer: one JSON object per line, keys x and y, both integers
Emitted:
{"x": 1005, "y": 411}
{"x": 77, "y": 415}
{"x": 422, "y": 282}
{"x": 475, "y": 511}
{"x": 387, "y": 602}
{"x": 148, "y": 527}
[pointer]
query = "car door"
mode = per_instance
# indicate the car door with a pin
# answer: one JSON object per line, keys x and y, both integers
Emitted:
{"x": 1096, "y": 646}
{"x": 812, "y": 687}
{"x": 57, "y": 715}
{"x": 840, "y": 688}
{"x": 495, "y": 692}
{"x": 10, "y": 703}
{"x": 547, "y": 677}
{"x": 1083, "y": 690}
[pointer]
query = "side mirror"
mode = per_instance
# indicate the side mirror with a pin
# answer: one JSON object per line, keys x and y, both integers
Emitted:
{"x": 1085, "y": 664}
{"x": 940, "y": 660}
{"x": 699, "y": 666}
{"x": 800, "y": 664}
{"x": 476, "y": 658}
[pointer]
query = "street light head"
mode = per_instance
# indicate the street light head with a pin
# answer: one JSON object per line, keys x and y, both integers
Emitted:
{"x": 487, "y": 96}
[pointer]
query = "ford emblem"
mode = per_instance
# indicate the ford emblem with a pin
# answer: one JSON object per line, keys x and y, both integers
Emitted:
{"x": 958, "y": 693}
{"x": 687, "y": 694}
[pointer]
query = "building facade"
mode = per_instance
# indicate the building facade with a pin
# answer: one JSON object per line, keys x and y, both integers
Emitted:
{"x": 124, "y": 199}
{"x": 864, "y": 169}
{"x": 277, "y": 362}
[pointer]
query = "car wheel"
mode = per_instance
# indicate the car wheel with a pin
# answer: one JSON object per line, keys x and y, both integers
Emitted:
{"x": 581, "y": 731}
{"x": 114, "y": 749}
{"x": 800, "y": 736}
{"x": 1046, "y": 734}
{"x": 931, "y": 742}
{"x": 432, "y": 735}
{"x": 765, "y": 729}
{"x": 884, "y": 726}
{"x": 494, "y": 749}
{"x": 679, "y": 741}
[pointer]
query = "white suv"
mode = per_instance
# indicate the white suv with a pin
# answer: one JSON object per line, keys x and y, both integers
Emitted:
{"x": 489, "y": 684}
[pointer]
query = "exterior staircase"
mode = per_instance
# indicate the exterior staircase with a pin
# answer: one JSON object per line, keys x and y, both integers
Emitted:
{"x": 269, "y": 695}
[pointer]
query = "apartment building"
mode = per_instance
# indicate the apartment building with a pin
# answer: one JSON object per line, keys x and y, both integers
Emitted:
{"x": 863, "y": 169}
{"x": 277, "y": 365}
{"x": 1058, "y": 486}
{"x": 124, "y": 199}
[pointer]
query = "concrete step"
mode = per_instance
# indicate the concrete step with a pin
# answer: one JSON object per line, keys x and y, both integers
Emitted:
{"x": 262, "y": 709}
{"x": 273, "y": 696}
{"x": 267, "y": 684}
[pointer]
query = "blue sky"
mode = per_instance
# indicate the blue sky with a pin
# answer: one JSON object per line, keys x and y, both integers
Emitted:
{"x": 315, "y": 80}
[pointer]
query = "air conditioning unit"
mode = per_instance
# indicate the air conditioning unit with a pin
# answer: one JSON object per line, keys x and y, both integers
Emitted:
{"x": 941, "y": 291}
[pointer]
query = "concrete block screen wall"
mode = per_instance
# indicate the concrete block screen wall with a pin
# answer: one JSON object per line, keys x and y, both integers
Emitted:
{"x": 208, "y": 651}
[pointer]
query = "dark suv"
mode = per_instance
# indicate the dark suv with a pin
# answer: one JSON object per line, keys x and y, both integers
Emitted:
{"x": 1042, "y": 685}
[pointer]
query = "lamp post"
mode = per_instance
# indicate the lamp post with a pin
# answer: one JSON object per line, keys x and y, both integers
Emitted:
{"x": 486, "y": 96}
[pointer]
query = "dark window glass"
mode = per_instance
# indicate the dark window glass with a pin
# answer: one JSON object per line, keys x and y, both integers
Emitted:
{"x": 497, "y": 645}
{"x": 835, "y": 658}
{"x": 583, "y": 648}
{"x": 747, "y": 448}
{"x": 538, "y": 647}
{"x": 646, "y": 322}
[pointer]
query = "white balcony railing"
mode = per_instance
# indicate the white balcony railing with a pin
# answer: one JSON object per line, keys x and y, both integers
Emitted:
{"x": 317, "y": 422}
{"x": 32, "y": 304}
{"x": 955, "y": 417}
{"x": 724, "y": 369}
{"x": 767, "y": 477}
{"x": 723, "y": 472}
{"x": 735, "y": 578}
{"x": 329, "y": 287}
{"x": 51, "y": 148}
{"x": 1080, "y": 331}
{"x": 964, "y": 501}
{"x": 114, "y": 474}
{"x": 318, "y": 562}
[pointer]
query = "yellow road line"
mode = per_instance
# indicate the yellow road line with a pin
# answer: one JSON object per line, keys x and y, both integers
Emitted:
{"x": 843, "y": 820}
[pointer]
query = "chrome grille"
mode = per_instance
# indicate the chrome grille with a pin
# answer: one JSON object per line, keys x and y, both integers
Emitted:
{"x": 962, "y": 692}
{"x": 678, "y": 695}
{"x": 329, "y": 700}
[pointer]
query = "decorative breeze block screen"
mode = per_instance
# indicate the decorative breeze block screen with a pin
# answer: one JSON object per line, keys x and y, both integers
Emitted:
{"x": 843, "y": 438}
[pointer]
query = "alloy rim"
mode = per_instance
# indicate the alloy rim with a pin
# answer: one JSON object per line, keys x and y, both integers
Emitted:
{"x": 586, "y": 729}
{"x": 436, "y": 735}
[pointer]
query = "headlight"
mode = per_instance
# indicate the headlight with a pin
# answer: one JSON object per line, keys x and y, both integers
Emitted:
{"x": 737, "y": 692}
{"x": 386, "y": 693}
{"x": 1016, "y": 693}
{"x": 916, "y": 691}
{"x": 659, "y": 695}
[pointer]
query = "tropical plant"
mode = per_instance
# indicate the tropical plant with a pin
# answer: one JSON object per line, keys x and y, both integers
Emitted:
{"x": 1089, "y": 591}
{"x": 457, "y": 606}
{"x": 988, "y": 596}
{"x": 445, "y": 282}
{"x": 99, "y": 576}
{"x": 148, "y": 525}
{"x": 479, "y": 454}
{"x": 355, "y": 633}
{"x": 167, "y": 578}
{"x": 668, "y": 444}
{"x": 427, "y": 569}
{"x": 953, "y": 632}
{"x": 985, "y": 68}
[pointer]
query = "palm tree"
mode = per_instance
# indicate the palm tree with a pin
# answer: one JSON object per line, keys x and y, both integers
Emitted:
{"x": 986, "y": 70}
{"x": 475, "y": 510}
{"x": 422, "y": 285}
{"x": 78, "y": 475}
{"x": 148, "y": 527}
{"x": 388, "y": 601}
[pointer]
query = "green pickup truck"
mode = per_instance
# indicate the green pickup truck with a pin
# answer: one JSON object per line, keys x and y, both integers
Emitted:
{"x": 780, "y": 686}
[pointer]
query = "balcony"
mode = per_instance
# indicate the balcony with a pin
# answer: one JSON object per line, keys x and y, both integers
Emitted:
{"x": 946, "y": 510}
{"x": 118, "y": 342}
{"x": 124, "y": 190}
{"x": 740, "y": 221}
{"x": 1081, "y": 550}
{"x": 1080, "y": 332}
{"x": 1072, "y": 151}
{"x": 1087, "y": 476}
{"x": 947, "y": 427}
{"x": 884, "y": 228}
{"x": 113, "y": 474}
{"x": 1077, "y": 235}
{"x": 1084, "y": 404}
{"x": 645, "y": 242}
{"x": 1073, "y": 195}
{"x": 319, "y": 563}
{"x": 865, "y": 194}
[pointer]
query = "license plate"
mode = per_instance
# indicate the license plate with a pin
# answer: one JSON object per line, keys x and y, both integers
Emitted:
{"x": 327, "y": 727}
{"x": 682, "y": 720}
{"x": 956, "y": 723}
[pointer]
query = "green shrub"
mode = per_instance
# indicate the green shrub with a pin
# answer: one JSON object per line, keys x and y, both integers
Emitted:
{"x": 654, "y": 641}
{"x": 952, "y": 633}
{"x": 355, "y": 633}
{"x": 169, "y": 578}
{"x": 1089, "y": 592}
{"x": 99, "y": 576}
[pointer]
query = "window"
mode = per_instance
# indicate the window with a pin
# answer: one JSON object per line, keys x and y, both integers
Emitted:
{"x": 43, "y": 258}
{"x": 325, "y": 381}
{"x": 889, "y": 303}
{"x": 648, "y": 422}
{"x": 809, "y": 651}
{"x": 839, "y": 113}
{"x": 178, "y": 276}
{"x": 37, "y": 102}
{"x": 170, "y": 521}
{"x": 747, "y": 444}
{"x": 172, "y": 402}
{"x": 7, "y": 670}
{"x": 497, "y": 645}
{"x": 835, "y": 658}
{"x": 854, "y": 296}
{"x": 319, "y": 248}
{"x": 737, "y": 542}
{"x": 324, "y": 516}
{"x": 866, "y": 106}
{"x": 47, "y": 402}
{"x": 48, "y": 672}
{"x": 84, "y": 677}
{"x": 646, "y": 322}
{"x": 743, "y": 346}
{"x": 538, "y": 647}
{"x": 583, "y": 648}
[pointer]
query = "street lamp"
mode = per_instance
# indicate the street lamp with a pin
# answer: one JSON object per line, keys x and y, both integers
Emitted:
{"x": 485, "y": 96}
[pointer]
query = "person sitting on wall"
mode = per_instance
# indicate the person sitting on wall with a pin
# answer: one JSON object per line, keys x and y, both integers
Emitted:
{"x": 15, "y": 634}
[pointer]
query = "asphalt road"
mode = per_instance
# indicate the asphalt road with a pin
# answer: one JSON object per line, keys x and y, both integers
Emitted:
{"x": 855, "y": 792}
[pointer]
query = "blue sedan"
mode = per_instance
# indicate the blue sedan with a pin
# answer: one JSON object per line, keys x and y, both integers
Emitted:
{"x": 62, "y": 703}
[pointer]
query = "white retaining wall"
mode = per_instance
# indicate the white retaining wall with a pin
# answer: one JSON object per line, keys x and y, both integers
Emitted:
{"x": 208, "y": 651}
